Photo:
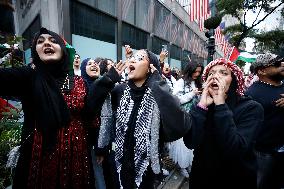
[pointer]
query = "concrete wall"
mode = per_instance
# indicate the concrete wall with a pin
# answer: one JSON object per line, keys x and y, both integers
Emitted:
{"x": 47, "y": 9}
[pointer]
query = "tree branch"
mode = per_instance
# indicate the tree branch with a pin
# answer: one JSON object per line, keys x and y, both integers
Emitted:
{"x": 245, "y": 17}
{"x": 265, "y": 16}
{"x": 258, "y": 14}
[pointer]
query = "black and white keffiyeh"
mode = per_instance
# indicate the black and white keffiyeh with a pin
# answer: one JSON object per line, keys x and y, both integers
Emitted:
{"x": 146, "y": 133}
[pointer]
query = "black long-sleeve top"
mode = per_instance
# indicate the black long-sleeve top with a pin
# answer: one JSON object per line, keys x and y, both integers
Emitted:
{"x": 271, "y": 133}
{"x": 223, "y": 140}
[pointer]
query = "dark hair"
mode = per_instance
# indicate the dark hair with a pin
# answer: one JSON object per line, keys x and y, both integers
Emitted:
{"x": 103, "y": 66}
{"x": 232, "y": 97}
{"x": 189, "y": 69}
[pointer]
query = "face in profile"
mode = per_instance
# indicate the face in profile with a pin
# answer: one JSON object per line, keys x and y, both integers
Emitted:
{"x": 220, "y": 72}
{"x": 138, "y": 66}
{"x": 92, "y": 69}
{"x": 77, "y": 60}
{"x": 48, "y": 49}
{"x": 196, "y": 73}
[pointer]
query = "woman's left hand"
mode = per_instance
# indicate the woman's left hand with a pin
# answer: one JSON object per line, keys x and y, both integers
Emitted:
{"x": 219, "y": 96}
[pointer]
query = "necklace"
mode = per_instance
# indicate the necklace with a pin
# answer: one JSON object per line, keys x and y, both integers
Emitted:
{"x": 270, "y": 84}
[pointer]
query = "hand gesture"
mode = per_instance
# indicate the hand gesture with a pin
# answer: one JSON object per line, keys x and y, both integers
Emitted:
{"x": 128, "y": 51}
{"x": 163, "y": 55}
{"x": 120, "y": 67}
{"x": 280, "y": 102}
{"x": 206, "y": 98}
{"x": 219, "y": 96}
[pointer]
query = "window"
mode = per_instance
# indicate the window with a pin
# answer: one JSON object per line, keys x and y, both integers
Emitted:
{"x": 108, "y": 6}
{"x": 176, "y": 31}
{"x": 134, "y": 37}
{"x": 162, "y": 20}
{"x": 175, "y": 52}
{"x": 144, "y": 14}
{"x": 29, "y": 33}
{"x": 157, "y": 45}
{"x": 128, "y": 8}
{"x": 185, "y": 59}
{"x": 93, "y": 24}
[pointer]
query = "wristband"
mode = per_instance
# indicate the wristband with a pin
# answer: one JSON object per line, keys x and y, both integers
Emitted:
{"x": 202, "y": 107}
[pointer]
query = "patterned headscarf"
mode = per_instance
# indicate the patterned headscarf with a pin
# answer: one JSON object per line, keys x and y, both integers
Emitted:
{"x": 234, "y": 69}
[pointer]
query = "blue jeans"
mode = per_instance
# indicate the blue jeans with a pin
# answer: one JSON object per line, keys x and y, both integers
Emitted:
{"x": 270, "y": 170}
{"x": 98, "y": 172}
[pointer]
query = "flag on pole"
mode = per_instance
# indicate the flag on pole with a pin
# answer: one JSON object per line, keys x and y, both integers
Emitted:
{"x": 234, "y": 54}
{"x": 246, "y": 57}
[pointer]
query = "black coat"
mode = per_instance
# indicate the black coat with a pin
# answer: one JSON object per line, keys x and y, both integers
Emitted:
{"x": 223, "y": 140}
{"x": 174, "y": 122}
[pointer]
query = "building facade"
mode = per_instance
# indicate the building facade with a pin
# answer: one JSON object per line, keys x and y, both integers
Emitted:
{"x": 101, "y": 28}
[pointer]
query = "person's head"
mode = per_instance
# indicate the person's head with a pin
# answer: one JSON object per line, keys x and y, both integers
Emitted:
{"x": 192, "y": 72}
{"x": 49, "y": 52}
{"x": 90, "y": 70}
{"x": 105, "y": 65}
{"x": 77, "y": 61}
{"x": 166, "y": 69}
{"x": 229, "y": 72}
{"x": 139, "y": 66}
{"x": 269, "y": 67}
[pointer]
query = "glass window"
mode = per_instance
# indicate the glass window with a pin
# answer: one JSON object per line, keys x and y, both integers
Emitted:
{"x": 128, "y": 8}
{"x": 85, "y": 21}
{"x": 144, "y": 14}
{"x": 157, "y": 45}
{"x": 108, "y": 6}
{"x": 29, "y": 33}
{"x": 175, "y": 52}
{"x": 176, "y": 31}
{"x": 185, "y": 59}
{"x": 134, "y": 37}
{"x": 175, "y": 56}
{"x": 162, "y": 20}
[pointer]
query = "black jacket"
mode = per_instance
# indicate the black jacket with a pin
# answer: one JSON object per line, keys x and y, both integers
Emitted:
{"x": 174, "y": 122}
{"x": 223, "y": 140}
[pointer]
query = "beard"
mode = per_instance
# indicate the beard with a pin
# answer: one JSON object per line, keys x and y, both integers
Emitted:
{"x": 277, "y": 77}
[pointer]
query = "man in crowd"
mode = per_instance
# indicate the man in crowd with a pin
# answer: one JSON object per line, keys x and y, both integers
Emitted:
{"x": 269, "y": 91}
{"x": 76, "y": 65}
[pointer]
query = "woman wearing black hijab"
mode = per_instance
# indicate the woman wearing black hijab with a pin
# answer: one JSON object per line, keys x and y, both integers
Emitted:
{"x": 53, "y": 151}
{"x": 145, "y": 115}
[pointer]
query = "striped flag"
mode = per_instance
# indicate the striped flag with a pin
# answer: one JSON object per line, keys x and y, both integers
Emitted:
{"x": 199, "y": 12}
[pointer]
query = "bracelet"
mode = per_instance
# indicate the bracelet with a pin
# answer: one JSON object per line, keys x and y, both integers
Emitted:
{"x": 202, "y": 107}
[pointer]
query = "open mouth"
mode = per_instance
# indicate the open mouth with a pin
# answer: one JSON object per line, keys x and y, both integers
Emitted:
{"x": 131, "y": 68}
{"x": 94, "y": 69}
{"x": 48, "y": 51}
{"x": 214, "y": 86}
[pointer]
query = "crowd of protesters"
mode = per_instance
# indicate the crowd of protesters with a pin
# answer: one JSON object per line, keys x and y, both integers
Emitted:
{"x": 100, "y": 124}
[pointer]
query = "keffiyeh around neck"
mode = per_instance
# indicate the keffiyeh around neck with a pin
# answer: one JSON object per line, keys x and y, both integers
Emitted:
{"x": 146, "y": 133}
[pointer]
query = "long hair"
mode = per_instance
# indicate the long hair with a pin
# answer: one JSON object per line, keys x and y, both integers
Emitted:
{"x": 189, "y": 69}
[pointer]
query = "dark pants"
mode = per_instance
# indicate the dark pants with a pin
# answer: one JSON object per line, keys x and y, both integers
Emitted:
{"x": 270, "y": 173}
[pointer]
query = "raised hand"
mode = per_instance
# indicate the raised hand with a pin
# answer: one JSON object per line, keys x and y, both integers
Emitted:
{"x": 219, "y": 96}
{"x": 120, "y": 67}
{"x": 206, "y": 99}
{"x": 128, "y": 51}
